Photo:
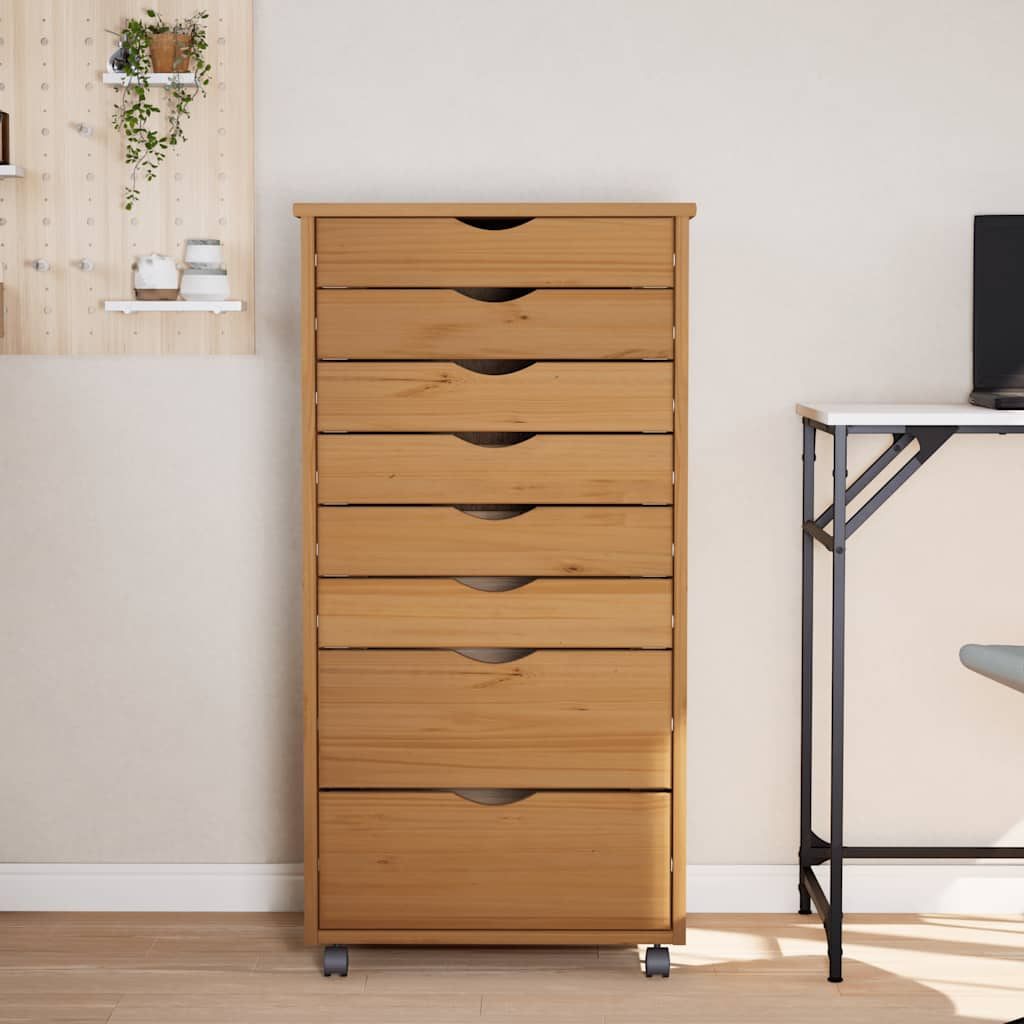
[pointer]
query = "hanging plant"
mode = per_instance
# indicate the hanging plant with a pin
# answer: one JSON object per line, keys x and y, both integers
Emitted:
{"x": 148, "y": 47}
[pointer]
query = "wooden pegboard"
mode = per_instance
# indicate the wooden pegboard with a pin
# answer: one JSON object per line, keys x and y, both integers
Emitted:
{"x": 68, "y": 207}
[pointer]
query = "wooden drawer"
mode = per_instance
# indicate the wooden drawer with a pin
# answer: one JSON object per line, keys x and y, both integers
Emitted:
{"x": 546, "y": 720}
{"x": 450, "y": 613}
{"x": 548, "y": 469}
{"x": 374, "y": 540}
{"x": 435, "y": 396}
{"x": 552, "y": 860}
{"x": 605, "y": 323}
{"x": 543, "y": 252}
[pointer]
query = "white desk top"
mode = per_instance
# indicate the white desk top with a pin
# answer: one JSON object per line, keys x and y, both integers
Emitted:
{"x": 909, "y": 414}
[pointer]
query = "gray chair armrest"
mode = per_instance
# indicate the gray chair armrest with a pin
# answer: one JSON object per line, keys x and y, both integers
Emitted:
{"x": 1002, "y": 662}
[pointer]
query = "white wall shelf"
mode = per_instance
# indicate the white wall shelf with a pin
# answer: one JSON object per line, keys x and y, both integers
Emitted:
{"x": 11, "y": 171}
{"x": 174, "y": 306}
{"x": 166, "y": 80}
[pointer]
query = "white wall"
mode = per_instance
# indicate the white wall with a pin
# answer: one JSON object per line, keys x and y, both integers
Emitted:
{"x": 149, "y": 654}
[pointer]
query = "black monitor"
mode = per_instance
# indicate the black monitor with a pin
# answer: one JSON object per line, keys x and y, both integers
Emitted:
{"x": 999, "y": 302}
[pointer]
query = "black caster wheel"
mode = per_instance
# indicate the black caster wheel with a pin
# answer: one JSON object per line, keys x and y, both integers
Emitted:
{"x": 335, "y": 960}
{"x": 656, "y": 962}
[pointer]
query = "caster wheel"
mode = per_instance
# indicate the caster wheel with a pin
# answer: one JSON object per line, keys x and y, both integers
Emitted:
{"x": 656, "y": 962}
{"x": 335, "y": 960}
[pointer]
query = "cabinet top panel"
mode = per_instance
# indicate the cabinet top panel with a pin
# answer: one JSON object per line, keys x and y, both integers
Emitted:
{"x": 495, "y": 210}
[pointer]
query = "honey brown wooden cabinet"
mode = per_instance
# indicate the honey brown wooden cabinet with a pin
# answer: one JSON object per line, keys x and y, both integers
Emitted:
{"x": 494, "y": 574}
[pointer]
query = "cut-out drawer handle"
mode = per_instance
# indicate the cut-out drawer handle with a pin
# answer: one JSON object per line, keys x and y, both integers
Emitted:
{"x": 494, "y": 367}
{"x": 494, "y": 223}
{"x": 493, "y": 438}
{"x": 494, "y": 512}
{"x": 494, "y": 797}
{"x": 494, "y": 584}
{"x": 494, "y": 294}
{"x": 495, "y": 655}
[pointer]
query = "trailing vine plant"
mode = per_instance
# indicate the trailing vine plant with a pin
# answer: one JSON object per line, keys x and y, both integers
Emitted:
{"x": 146, "y": 146}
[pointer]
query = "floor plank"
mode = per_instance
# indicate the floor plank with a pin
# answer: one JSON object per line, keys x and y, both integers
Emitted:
{"x": 330, "y": 1005}
{"x": 40, "y": 1007}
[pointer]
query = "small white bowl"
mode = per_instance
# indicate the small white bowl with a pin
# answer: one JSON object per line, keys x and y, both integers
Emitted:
{"x": 205, "y": 285}
{"x": 204, "y": 252}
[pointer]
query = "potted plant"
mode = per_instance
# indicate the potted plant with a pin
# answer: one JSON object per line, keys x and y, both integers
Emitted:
{"x": 170, "y": 47}
{"x": 148, "y": 47}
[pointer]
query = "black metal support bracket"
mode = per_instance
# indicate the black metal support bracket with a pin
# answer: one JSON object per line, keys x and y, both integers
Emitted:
{"x": 899, "y": 444}
{"x": 816, "y": 894}
{"x": 819, "y": 851}
{"x": 815, "y": 851}
{"x": 929, "y": 441}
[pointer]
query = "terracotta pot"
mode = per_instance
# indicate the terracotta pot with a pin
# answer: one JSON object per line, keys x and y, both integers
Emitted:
{"x": 171, "y": 52}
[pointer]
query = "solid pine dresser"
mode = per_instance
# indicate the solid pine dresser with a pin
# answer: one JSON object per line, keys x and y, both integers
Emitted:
{"x": 494, "y": 574}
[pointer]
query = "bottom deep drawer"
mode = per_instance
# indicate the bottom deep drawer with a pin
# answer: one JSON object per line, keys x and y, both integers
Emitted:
{"x": 547, "y": 860}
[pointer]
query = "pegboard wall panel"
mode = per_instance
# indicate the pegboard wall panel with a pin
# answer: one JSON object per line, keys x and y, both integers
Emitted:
{"x": 68, "y": 207}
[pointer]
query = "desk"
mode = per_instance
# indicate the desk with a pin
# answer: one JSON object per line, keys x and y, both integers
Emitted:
{"x": 928, "y": 427}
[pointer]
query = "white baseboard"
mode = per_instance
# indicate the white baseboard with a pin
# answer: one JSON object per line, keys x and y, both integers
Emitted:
{"x": 154, "y": 887}
{"x": 905, "y": 888}
{"x": 711, "y": 888}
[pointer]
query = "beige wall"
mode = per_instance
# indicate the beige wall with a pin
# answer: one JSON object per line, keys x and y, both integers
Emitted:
{"x": 149, "y": 648}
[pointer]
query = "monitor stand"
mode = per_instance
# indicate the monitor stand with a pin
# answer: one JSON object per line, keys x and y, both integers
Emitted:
{"x": 999, "y": 398}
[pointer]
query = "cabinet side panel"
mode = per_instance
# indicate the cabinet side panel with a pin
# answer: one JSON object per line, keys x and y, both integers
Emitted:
{"x": 679, "y": 581}
{"x": 309, "y": 651}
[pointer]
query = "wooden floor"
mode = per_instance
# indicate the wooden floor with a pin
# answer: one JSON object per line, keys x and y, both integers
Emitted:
{"x": 205, "y": 968}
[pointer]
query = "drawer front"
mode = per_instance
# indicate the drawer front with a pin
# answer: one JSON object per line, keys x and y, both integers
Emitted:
{"x": 374, "y": 540}
{"x": 548, "y": 469}
{"x": 544, "y": 252}
{"x": 552, "y": 860}
{"x": 546, "y": 720}
{"x": 443, "y": 324}
{"x": 434, "y": 396}
{"x": 449, "y": 613}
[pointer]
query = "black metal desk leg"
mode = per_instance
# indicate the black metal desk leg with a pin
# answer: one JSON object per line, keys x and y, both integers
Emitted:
{"x": 806, "y": 653}
{"x": 834, "y": 924}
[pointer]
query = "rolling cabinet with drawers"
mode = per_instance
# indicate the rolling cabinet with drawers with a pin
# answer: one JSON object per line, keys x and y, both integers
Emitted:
{"x": 494, "y": 566}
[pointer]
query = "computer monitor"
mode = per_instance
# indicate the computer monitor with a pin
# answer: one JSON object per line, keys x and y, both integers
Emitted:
{"x": 999, "y": 302}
